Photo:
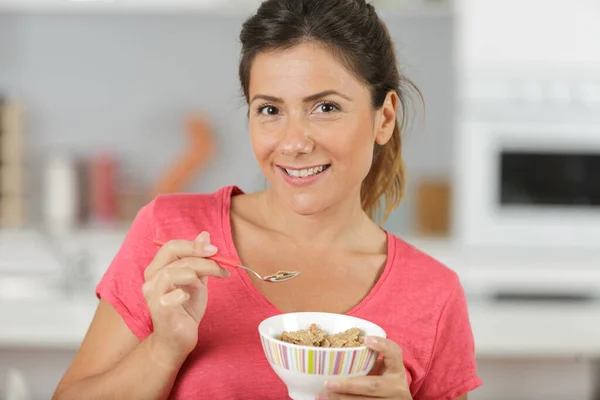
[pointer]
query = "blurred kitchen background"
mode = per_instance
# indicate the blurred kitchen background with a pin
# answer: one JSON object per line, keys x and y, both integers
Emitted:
{"x": 106, "y": 103}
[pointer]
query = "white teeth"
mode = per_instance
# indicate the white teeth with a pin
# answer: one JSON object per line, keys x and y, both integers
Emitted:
{"x": 305, "y": 172}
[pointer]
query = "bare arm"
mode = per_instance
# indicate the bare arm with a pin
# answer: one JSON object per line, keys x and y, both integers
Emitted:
{"x": 113, "y": 364}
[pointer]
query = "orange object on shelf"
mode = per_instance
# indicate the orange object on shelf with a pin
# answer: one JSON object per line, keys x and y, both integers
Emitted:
{"x": 197, "y": 154}
{"x": 103, "y": 170}
{"x": 13, "y": 197}
{"x": 433, "y": 207}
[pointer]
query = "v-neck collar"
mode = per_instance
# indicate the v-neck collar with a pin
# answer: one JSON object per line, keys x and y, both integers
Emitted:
{"x": 257, "y": 294}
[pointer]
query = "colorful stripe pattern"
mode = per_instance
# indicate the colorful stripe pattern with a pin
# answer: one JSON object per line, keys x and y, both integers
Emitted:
{"x": 319, "y": 362}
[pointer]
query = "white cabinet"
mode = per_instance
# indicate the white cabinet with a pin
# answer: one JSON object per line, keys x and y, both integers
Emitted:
{"x": 40, "y": 369}
{"x": 540, "y": 34}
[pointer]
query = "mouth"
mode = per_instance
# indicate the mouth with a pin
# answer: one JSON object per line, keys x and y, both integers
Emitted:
{"x": 305, "y": 172}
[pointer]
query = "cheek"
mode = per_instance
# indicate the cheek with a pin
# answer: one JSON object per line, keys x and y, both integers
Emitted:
{"x": 358, "y": 149}
{"x": 263, "y": 142}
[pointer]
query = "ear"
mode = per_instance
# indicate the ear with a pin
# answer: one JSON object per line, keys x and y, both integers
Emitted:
{"x": 386, "y": 118}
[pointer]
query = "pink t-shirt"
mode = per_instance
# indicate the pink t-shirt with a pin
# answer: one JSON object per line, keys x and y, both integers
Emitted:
{"x": 418, "y": 302}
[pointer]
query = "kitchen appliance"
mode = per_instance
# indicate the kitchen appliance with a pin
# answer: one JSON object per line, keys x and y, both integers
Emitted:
{"x": 530, "y": 184}
{"x": 528, "y": 162}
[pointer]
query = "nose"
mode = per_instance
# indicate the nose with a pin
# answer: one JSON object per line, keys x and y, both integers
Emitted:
{"x": 296, "y": 139}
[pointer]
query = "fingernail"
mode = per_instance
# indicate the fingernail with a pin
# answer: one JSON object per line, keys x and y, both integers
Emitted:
{"x": 209, "y": 248}
{"x": 370, "y": 340}
{"x": 322, "y": 396}
{"x": 226, "y": 273}
{"x": 332, "y": 385}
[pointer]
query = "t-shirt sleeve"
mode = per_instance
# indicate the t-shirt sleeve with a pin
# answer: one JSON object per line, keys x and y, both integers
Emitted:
{"x": 452, "y": 370}
{"x": 121, "y": 285}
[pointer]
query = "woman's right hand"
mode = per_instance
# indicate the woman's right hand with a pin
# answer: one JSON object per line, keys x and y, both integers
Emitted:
{"x": 176, "y": 292}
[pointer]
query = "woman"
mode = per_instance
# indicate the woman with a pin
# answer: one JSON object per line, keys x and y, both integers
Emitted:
{"x": 324, "y": 92}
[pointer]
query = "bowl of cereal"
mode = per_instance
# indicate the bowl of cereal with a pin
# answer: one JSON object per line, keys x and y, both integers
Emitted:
{"x": 307, "y": 348}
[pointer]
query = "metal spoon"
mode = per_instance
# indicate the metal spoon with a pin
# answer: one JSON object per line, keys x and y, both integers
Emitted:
{"x": 279, "y": 276}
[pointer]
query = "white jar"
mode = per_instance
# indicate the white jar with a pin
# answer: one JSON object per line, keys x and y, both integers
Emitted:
{"x": 61, "y": 195}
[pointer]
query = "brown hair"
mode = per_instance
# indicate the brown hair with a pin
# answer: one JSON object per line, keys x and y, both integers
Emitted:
{"x": 354, "y": 33}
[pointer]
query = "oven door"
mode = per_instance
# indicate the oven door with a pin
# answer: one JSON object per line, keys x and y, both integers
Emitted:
{"x": 527, "y": 184}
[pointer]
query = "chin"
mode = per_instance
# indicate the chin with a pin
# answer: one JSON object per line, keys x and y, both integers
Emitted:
{"x": 305, "y": 203}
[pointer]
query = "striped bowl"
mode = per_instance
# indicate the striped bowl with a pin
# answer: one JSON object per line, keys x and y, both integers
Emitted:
{"x": 305, "y": 369}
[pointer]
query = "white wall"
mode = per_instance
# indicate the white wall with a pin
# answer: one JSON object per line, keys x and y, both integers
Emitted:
{"x": 126, "y": 83}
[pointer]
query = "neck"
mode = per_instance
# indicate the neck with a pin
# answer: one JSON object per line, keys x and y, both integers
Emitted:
{"x": 341, "y": 225}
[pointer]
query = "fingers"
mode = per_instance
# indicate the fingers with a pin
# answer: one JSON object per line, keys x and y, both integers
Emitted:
{"x": 392, "y": 382}
{"x": 202, "y": 267}
{"x": 177, "y": 249}
{"x": 391, "y": 352}
{"x": 368, "y": 386}
{"x": 174, "y": 298}
{"x": 337, "y": 396}
{"x": 187, "y": 271}
{"x": 167, "y": 302}
{"x": 183, "y": 272}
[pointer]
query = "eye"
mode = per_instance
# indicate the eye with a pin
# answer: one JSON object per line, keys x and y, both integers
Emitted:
{"x": 327, "y": 108}
{"x": 268, "y": 110}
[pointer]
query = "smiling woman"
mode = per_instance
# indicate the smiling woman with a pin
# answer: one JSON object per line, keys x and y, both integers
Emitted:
{"x": 322, "y": 122}
{"x": 325, "y": 98}
{"x": 350, "y": 90}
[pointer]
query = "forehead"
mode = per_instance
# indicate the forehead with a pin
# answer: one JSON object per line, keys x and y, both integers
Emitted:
{"x": 304, "y": 68}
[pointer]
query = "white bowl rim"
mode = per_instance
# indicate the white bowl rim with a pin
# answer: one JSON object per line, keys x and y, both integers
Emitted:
{"x": 326, "y": 349}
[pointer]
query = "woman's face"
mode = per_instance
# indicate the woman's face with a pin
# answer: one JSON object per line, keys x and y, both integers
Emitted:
{"x": 313, "y": 127}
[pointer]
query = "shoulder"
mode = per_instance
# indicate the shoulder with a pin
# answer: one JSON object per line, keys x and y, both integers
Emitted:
{"x": 430, "y": 321}
{"x": 184, "y": 215}
{"x": 420, "y": 264}
{"x": 421, "y": 272}
{"x": 178, "y": 203}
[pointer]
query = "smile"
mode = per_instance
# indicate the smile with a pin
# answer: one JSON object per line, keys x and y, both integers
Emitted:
{"x": 303, "y": 173}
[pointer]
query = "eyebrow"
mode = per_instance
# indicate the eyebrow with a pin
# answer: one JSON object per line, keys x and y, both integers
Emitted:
{"x": 312, "y": 97}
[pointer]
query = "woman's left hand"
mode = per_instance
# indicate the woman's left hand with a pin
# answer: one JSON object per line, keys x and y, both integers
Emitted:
{"x": 390, "y": 384}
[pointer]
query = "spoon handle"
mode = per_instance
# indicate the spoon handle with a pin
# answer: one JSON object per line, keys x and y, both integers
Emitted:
{"x": 230, "y": 262}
